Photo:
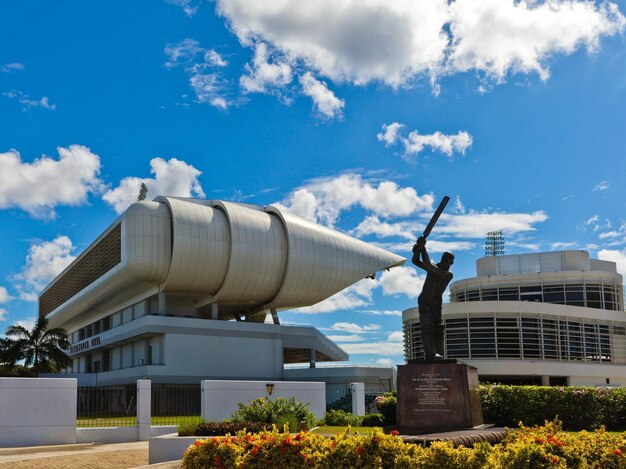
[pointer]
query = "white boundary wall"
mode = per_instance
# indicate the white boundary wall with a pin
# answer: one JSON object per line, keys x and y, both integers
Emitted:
{"x": 219, "y": 398}
{"x": 37, "y": 411}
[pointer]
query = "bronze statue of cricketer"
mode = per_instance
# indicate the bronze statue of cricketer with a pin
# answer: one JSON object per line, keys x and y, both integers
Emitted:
{"x": 429, "y": 302}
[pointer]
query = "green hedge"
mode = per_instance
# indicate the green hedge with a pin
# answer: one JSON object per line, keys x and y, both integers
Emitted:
{"x": 529, "y": 448}
{"x": 579, "y": 408}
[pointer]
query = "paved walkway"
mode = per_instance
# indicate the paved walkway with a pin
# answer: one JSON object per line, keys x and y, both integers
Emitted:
{"x": 79, "y": 456}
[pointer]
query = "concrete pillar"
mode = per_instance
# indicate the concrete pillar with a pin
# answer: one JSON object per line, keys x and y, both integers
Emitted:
{"x": 275, "y": 316}
{"x": 204, "y": 408}
{"x": 144, "y": 398}
{"x": 214, "y": 311}
{"x": 162, "y": 304}
{"x": 545, "y": 380}
{"x": 312, "y": 358}
{"x": 358, "y": 398}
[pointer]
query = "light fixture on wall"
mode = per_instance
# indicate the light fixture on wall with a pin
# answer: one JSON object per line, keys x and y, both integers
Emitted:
{"x": 270, "y": 388}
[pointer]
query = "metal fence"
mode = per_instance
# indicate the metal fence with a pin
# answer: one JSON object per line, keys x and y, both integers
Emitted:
{"x": 107, "y": 406}
{"x": 175, "y": 404}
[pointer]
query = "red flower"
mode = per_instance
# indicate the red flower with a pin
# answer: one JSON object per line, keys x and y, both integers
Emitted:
{"x": 539, "y": 440}
{"x": 394, "y": 432}
{"x": 216, "y": 460}
{"x": 254, "y": 451}
{"x": 555, "y": 460}
{"x": 283, "y": 449}
{"x": 360, "y": 450}
{"x": 332, "y": 445}
{"x": 618, "y": 453}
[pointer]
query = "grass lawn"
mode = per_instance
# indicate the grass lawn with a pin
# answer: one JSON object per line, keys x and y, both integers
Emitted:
{"x": 131, "y": 421}
{"x": 328, "y": 430}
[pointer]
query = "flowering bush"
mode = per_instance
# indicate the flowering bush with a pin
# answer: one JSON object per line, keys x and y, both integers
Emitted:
{"x": 386, "y": 405}
{"x": 539, "y": 447}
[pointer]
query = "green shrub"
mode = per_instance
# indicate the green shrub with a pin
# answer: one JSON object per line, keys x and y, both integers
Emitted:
{"x": 372, "y": 420}
{"x": 386, "y": 405}
{"x": 226, "y": 428}
{"x": 339, "y": 418}
{"x": 274, "y": 411}
{"x": 579, "y": 408}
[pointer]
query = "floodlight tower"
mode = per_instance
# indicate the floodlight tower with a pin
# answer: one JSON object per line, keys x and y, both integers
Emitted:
{"x": 494, "y": 244}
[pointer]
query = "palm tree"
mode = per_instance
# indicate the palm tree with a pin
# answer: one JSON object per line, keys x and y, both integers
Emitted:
{"x": 40, "y": 348}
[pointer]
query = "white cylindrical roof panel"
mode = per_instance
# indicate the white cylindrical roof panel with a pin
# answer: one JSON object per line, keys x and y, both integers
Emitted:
{"x": 323, "y": 262}
{"x": 258, "y": 255}
{"x": 201, "y": 246}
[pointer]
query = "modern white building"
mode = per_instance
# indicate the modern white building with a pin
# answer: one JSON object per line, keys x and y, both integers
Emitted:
{"x": 546, "y": 318}
{"x": 178, "y": 290}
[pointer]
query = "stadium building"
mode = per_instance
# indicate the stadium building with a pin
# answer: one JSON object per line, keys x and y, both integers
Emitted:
{"x": 178, "y": 290}
{"x": 552, "y": 318}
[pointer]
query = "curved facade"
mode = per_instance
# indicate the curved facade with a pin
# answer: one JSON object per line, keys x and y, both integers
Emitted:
{"x": 550, "y": 318}
{"x": 178, "y": 290}
{"x": 245, "y": 259}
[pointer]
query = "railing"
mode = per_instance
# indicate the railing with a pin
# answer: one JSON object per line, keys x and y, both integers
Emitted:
{"x": 107, "y": 406}
{"x": 175, "y": 404}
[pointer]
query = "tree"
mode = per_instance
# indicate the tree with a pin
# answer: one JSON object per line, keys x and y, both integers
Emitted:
{"x": 40, "y": 348}
{"x": 143, "y": 192}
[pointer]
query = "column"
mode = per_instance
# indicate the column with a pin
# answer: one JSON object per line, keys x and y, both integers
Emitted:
{"x": 144, "y": 397}
{"x": 358, "y": 398}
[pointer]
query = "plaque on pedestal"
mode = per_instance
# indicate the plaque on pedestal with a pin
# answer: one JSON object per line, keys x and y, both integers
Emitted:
{"x": 436, "y": 396}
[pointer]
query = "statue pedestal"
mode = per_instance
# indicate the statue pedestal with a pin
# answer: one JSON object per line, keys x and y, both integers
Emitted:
{"x": 436, "y": 396}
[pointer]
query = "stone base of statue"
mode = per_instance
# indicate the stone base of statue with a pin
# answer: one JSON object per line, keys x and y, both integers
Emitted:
{"x": 436, "y": 396}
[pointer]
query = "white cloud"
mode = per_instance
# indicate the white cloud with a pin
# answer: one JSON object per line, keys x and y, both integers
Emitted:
{"x": 414, "y": 142}
{"x": 595, "y": 224}
{"x": 399, "y": 42}
{"x": 173, "y": 177}
{"x": 394, "y": 345}
{"x": 354, "y": 328}
{"x": 359, "y": 294}
{"x": 619, "y": 257}
{"x": 8, "y": 68}
{"x": 44, "y": 261}
{"x": 345, "y": 338}
{"x": 602, "y": 186}
{"x": 434, "y": 246}
{"x": 458, "y": 207}
{"x": 502, "y": 36}
{"x": 27, "y": 102}
{"x": 4, "y": 297}
{"x": 346, "y": 40}
{"x": 202, "y": 68}
{"x": 324, "y": 199}
{"x": 374, "y": 312}
{"x": 40, "y": 186}
{"x": 189, "y": 6}
{"x": 263, "y": 76}
{"x": 384, "y": 362}
{"x": 475, "y": 225}
{"x": 561, "y": 245}
{"x": 372, "y": 225}
{"x": 610, "y": 234}
{"x": 401, "y": 281}
{"x": 324, "y": 100}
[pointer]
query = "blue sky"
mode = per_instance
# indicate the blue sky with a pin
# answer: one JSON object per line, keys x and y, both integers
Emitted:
{"x": 358, "y": 114}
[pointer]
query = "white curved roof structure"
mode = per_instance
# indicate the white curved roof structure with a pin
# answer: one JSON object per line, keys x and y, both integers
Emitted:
{"x": 244, "y": 258}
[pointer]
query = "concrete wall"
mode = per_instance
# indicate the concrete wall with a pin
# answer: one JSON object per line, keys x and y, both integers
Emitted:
{"x": 219, "y": 398}
{"x": 37, "y": 411}
{"x": 246, "y": 357}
